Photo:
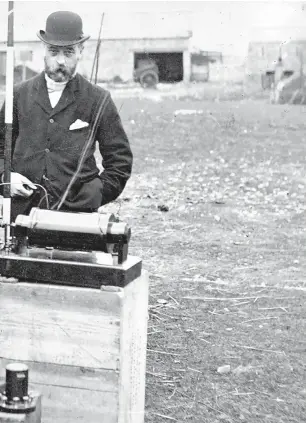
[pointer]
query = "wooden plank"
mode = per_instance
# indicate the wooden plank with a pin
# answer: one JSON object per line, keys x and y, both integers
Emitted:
{"x": 64, "y": 405}
{"x": 133, "y": 343}
{"x": 9, "y": 418}
{"x": 69, "y": 272}
{"x": 42, "y": 323}
{"x": 67, "y": 376}
{"x": 68, "y": 405}
{"x": 67, "y": 297}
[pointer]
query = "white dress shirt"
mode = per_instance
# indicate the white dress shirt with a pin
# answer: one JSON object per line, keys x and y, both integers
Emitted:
{"x": 55, "y": 90}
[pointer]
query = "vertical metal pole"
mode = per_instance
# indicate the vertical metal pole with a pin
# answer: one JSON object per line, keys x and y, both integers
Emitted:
{"x": 301, "y": 68}
{"x": 97, "y": 62}
{"x": 8, "y": 121}
{"x": 94, "y": 66}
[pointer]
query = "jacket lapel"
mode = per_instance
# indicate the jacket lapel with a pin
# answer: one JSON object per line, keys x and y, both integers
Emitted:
{"x": 41, "y": 95}
{"x": 67, "y": 97}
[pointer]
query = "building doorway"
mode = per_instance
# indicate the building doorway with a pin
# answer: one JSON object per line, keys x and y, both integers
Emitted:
{"x": 170, "y": 65}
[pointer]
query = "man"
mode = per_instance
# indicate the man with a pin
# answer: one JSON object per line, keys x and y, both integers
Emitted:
{"x": 55, "y": 115}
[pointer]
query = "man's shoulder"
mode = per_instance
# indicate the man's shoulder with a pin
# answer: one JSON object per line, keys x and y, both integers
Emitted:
{"x": 27, "y": 85}
{"x": 94, "y": 90}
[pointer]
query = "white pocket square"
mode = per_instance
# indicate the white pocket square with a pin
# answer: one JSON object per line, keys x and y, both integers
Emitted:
{"x": 78, "y": 124}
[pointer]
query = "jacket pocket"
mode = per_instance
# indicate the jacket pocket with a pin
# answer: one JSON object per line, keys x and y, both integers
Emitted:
{"x": 88, "y": 196}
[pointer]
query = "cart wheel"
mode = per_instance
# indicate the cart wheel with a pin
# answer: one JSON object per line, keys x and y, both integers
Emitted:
{"x": 149, "y": 79}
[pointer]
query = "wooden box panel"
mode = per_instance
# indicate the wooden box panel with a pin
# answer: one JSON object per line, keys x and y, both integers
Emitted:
{"x": 85, "y": 348}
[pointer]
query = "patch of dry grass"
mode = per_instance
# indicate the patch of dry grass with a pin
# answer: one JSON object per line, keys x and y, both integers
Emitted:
{"x": 226, "y": 261}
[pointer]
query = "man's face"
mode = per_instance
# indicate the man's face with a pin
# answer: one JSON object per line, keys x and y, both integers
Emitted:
{"x": 61, "y": 62}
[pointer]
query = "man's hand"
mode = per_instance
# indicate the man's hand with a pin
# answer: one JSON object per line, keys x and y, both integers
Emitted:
{"x": 20, "y": 185}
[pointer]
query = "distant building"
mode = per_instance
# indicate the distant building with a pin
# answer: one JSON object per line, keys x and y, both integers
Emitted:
{"x": 118, "y": 57}
{"x": 271, "y": 49}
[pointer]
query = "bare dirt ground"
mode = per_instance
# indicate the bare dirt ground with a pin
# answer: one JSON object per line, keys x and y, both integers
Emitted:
{"x": 217, "y": 208}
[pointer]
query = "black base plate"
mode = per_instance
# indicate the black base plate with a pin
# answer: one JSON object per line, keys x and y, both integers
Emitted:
{"x": 19, "y": 407}
{"x": 60, "y": 272}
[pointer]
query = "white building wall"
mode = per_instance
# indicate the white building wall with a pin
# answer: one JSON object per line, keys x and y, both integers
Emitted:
{"x": 116, "y": 56}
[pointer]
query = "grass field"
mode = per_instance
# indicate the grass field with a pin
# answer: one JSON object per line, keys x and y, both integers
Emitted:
{"x": 217, "y": 209}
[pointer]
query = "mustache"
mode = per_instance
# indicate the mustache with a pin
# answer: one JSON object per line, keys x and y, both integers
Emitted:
{"x": 63, "y": 70}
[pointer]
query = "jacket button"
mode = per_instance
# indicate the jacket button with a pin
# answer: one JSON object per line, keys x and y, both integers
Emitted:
{"x": 51, "y": 120}
{"x": 47, "y": 150}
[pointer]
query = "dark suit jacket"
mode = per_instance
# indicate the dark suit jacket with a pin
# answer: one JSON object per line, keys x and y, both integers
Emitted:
{"x": 47, "y": 152}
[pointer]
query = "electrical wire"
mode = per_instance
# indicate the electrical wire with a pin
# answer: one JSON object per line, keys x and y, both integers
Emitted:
{"x": 45, "y": 197}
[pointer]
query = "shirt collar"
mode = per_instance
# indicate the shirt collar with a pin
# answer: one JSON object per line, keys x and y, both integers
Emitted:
{"x": 56, "y": 86}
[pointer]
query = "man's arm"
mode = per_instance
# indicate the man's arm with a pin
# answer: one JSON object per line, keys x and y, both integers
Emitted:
{"x": 116, "y": 153}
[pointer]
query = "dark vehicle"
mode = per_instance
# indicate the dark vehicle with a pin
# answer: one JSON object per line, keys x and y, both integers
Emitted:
{"x": 147, "y": 73}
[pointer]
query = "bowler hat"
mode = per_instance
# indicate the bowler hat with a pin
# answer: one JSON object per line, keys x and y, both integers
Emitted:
{"x": 63, "y": 29}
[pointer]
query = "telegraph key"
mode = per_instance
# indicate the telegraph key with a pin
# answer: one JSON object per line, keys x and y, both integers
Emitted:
{"x": 79, "y": 249}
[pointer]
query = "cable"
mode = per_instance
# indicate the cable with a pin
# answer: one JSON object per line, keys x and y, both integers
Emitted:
{"x": 45, "y": 197}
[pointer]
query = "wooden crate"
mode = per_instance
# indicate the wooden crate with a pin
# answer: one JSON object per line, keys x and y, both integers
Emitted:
{"x": 85, "y": 348}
